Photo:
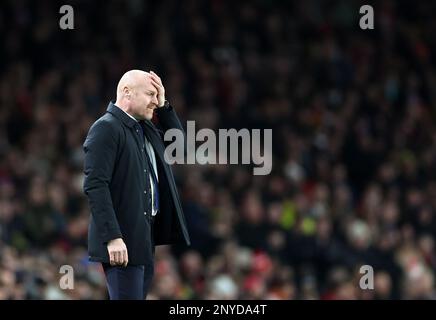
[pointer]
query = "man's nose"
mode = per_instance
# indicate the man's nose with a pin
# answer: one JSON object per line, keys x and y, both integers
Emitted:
{"x": 155, "y": 101}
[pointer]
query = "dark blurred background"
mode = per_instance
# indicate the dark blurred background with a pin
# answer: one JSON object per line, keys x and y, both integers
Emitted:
{"x": 354, "y": 133}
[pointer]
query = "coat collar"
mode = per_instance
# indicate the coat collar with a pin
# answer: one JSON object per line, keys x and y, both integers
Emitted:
{"x": 128, "y": 121}
{"x": 120, "y": 114}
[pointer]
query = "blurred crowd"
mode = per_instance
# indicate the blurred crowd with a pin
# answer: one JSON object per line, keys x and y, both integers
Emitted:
{"x": 354, "y": 144}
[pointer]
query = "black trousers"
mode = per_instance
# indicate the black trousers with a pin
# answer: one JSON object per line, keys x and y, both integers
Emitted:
{"x": 128, "y": 283}
{"x": 131, "y": 282}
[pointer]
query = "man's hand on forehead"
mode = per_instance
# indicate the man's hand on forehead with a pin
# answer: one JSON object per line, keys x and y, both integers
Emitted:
{"x": 157, "y": 83}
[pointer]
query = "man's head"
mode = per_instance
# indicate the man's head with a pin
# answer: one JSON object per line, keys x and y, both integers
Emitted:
{"x": 137, "y": 95}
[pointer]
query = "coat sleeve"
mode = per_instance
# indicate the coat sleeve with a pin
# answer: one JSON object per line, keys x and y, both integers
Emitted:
{"x": 168, "y": 119}
{"x": 100, "y": 149}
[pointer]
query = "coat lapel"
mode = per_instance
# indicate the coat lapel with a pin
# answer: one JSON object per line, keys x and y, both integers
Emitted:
{"x": 153, "y": 136}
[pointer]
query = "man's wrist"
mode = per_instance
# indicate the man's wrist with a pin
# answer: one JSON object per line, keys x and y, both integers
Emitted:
{"x": 114, "y": 240}
{"x": 165, "y": 105}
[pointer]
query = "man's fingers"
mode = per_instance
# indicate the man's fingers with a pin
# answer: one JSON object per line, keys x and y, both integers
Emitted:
{"x": 154, "y": 75}
{"x": 124, "y": 258}
{"x": 117, "y": 257}
{"x": 121, "y": 257}
{"x": 156, "y": 84}
{"x": 117, "y": 251}
{"x": 112, "y": 258}
{"x": 157, "y": 80}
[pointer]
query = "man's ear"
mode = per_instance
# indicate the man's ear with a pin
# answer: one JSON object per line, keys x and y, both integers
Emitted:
{"x": 126, "y": 92}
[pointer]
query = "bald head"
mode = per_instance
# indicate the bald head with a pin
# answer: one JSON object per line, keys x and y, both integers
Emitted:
{"x": 131, "y": 79}
{"x": 136, "y": 94}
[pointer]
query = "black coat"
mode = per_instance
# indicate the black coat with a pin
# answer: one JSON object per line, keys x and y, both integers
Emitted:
{"x": 118, "y": 189}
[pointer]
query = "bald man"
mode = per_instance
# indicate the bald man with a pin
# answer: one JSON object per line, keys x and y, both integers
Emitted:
{"x": 131, "y": 190}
